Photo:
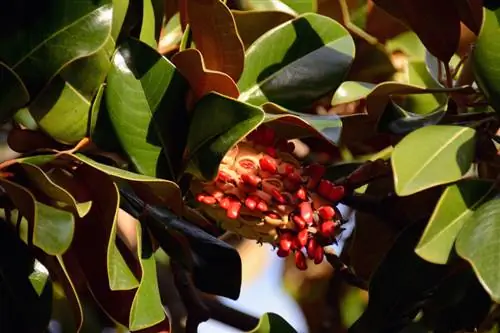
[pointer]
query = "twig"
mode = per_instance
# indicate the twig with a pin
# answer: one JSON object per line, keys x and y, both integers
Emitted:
{"x": 344, "y": 271}
{"x": 229, "y": 316}
{"x": 346, "y": 18}
{"x": 197, "y": 311}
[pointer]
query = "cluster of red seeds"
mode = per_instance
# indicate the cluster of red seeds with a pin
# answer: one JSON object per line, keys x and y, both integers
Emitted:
{"x": 260, "y": 181}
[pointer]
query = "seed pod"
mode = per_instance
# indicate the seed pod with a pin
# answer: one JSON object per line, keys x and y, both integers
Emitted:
{"x": 225, "y": 202}
{"x": 300, "y": 261}
{"x": 250, "y": 179}
{"x": 224, "y": 177}
{"x": 283, "y": 253}
{"x": 271, "y": 151}
{"x": 301, "y": 194}
{"x": 251, "y": 202}
{"x": 319, "y": 254}
{"x": 262, "y": 206}
{"x": 299, "y": 222}
{"x": 209, "y": 200}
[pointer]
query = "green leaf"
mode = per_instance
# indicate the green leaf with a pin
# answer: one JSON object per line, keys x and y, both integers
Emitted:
{"x": 152, "y": 20}
{"x": 456, "y": 205}
{"x": 25, "y": 287}
{"x": 273, "y": 323}
{"x": 408, "y": 43}
{"x": 297, "y": 62}
{"x": 63, "y": 108}
{"x": 270, "y": 5}
{"x": 486, "y": 56}
{"x": 218, "y": 123}
{"x": 431, "y": 156}
{"x": 303, "y": 6}
{"x": 54, "y": 191}
{"x": 350, "y": 91}
{"x": 120, "y": 8}
{"x": 46, "y": 227}
{"x": 147, "y": 309}
{"x": 145, "y": 87}
{"x": 49, "y": 31}
{"x": 289, "y": 124}
{"x": 13, "y": 93}
{"x": 478, "y": 243}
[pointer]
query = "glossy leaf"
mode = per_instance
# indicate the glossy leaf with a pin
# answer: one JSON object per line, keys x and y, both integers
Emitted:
{"x": 408, "y": 43}
{"x": 202, "y": 81}
{"x": 216, "y": 265}
{"x": 399, "y": 286}
{"x": 161, "y": 191}
{"x": 291, "y": 125}
{"x": 218, "y": 123}
{"x": 477, "y": 243}
{"x": 63, "y": 108}
{"x": 270, "y": 5}
{"x": 297, "y": 62}
{"x": 120, "y": 8}
{"x": 431, "y": 156}
{"x": 154, "y": 140}
{"x": 152, "y": 20}
{"x": 54, "y": 191}
{"x": 456, "y": 205}
{"x": 49, "y": 32}
{"x": 13, "y": 93}
{"x": 486, "y": 56}
{"x": 46, "y": 227}
{"x": 25, "y": 288}
{"x": 208, "y": 20}
{"x": 268, "y": 19}
{"x": 350, "y": 91}
{"x": 147, "y": 309}
{"x": 273, "y": 323}
{"x": 301, "y": 7}
{"x": 440, "y": 39}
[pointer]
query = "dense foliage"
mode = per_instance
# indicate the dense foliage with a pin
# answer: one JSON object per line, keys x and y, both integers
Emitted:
{"x": 155, "y": 126}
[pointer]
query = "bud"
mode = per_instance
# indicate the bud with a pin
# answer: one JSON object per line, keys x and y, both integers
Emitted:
{"x": 300, "y": 261}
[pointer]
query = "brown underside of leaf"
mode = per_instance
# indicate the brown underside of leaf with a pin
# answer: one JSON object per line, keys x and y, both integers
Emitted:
{"x": 202, "y": 81}
{"x": 215, "y": 35}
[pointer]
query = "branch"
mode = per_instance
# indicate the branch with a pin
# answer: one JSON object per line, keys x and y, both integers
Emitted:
{"x": 344, "y": 271}
{"x": 229, "y": 316}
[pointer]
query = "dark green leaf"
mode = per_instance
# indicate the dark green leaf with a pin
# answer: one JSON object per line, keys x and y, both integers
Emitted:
{"x": 296, "y": 63}
{"x": 486, "y": 56}
{"x": 25, "y": 288}
{"x": 218, "y": 123}
{"x": 151, "y": 21}
{"x": 478, "y": 243}
{"x": 431, "y": 156}
{"x": 456, "y": 205}
{"x": 399, "y": 286}
{"x": 145, "y": 100}
{"x": 13, "y": 93}
{"x": 273, "y": 323}
{"x": 53, "y": 34}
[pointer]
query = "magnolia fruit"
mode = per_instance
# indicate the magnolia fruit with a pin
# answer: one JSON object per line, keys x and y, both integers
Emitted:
{"x": 263, "y": 192}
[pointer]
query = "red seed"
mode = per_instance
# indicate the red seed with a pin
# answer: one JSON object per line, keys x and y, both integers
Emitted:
{"x": 273, "y": 215}
{"x": 200, "y": 197}
{"x": 302, "y": 237}
{"x": 336, "y": 193}
{"x": 286, "y": 240}
{"x": 299, "y": 222}
{"x": 300, "y": 261}
{"x": 251, "y": 202}
{"x": 326, "y": 212}
{"x": 283, "y": 253}
{"x": 301, "y": 194}
{"x": 251, "y": 179}
{"x": 325, "y": 187}
{"x": 277, "y": 195}
{"x": 267, "y": 163}
{"x": 209, "y": 200}
{"x": 319, "y": 254}
{"x": 268, "y": 135}
{"x": 224, "y": 176}
{"x": 294, "y": 177}
{"x": 218, "y": 194}
{"x": 306, "y": 212}
{"x": 225, "y": 202}
{"x": 315, "y": 170}
{"x": 262, "y": 206}
{"x": 311, "y": 248}
{"x": 233, "y": 211}
{"x": 327, "y": 229}
{"x": 271, "y": 151}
